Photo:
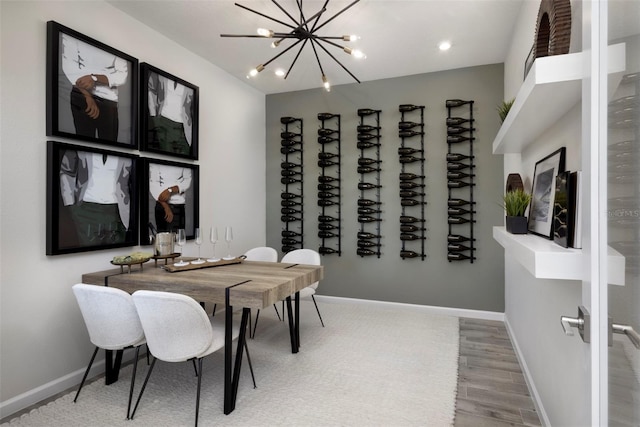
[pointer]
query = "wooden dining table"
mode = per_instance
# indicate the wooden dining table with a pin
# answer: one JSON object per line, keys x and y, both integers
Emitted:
{"x": 237, "y": 283}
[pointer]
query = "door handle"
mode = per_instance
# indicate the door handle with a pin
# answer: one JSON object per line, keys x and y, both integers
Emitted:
{"x": 582, "y": 323}
{"x": 628, "y": 331}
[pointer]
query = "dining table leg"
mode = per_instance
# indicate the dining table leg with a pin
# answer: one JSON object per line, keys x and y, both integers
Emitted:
{"x": 293, "y": 314}
{"x": 231, "y": 371}
{"x": 112, "y": 367}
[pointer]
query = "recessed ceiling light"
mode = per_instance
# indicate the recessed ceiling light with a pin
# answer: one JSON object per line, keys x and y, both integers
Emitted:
{"x": 445, "y": 45}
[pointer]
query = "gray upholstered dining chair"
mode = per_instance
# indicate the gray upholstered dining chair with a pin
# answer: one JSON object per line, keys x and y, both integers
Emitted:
{"x": 309, "y": 257}
{"x": 177, "y": 330}
{"x": 112, "y": 322}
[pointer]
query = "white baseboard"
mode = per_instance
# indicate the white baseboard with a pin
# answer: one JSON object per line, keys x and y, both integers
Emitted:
{"x": 544, "y": 418}
{"x": 45, "y": 391}
{"x": 445, "y": 311}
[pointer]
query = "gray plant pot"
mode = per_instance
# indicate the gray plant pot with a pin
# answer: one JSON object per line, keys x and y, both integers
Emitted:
{"x": 517, "y": 224}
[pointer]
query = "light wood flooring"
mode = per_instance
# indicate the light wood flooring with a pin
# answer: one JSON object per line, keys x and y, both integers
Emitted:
{"x": 491, "y": 387}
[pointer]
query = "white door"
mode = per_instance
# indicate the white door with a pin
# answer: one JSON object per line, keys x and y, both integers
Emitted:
{"x": 611, "y": 167}
{"x": 622, "y": 222}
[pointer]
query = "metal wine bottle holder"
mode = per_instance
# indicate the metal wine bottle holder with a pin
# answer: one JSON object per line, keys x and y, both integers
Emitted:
{"x": 369, "y": 169}
{"x": 329, "y": 195}
{"x": 292, "y": 178}
{"x": 460, "y": 180}
{"x": 412, "y": 181}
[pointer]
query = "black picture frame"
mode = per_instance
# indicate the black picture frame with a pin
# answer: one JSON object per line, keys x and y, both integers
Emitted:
{"x": 156, "y": 177}
{"x": 81, "y": 68}
{"x": 80, "y": 216}
{"x": 166, "y": 127}
{"x": 543, "y": 193}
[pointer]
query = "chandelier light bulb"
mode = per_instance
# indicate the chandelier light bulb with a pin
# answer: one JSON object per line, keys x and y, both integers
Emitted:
{"x": 351, "y": 38}
{"x": 276, "y": 43}
{"x": 264, "y": 32}
{"x": 279, "y": 72}
{"x": 255, "y": 71}
{"x": 326, "y": 83}
{"x": 445, "y": 45}
{"x": 358, "y": 54}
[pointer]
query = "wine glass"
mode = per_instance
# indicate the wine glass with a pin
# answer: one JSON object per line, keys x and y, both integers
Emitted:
{"x": 213, "y": 237}
{"x": 228, "y": 237}
{"x": 181, "y": 240}
{"x": 199, "y": 243}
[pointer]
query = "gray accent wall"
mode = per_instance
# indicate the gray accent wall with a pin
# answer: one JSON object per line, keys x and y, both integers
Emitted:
{"x": 434, "y": 281}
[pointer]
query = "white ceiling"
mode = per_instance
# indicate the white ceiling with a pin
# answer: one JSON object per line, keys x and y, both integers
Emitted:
{"x": 399, "y": 37}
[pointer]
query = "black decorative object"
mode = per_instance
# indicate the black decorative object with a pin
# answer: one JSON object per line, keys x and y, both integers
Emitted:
{"x": 542, "y": 195}
{"x": 412, "y": 179}
{"x": 516, "y": 224}
{"x": 460, "y": 180}
{"x": 76, "y": 220}
{"x": 329, "y": 195}
{"x": 292, "y": 173}
{"x": 369, "y": 167}
{"x": 514, "y": 182}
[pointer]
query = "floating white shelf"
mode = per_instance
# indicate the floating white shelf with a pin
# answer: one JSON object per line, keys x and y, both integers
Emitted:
{"x": 551, "y": 89}
{"x": 544, "y": 259}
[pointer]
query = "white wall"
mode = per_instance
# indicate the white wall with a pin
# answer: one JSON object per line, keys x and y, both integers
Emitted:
{"x": 554, "y": 363}
{"x": 44, "y": 344}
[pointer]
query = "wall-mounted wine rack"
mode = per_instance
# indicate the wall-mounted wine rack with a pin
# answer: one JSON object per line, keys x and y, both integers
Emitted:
{"x": 412, "y": 188}
{"x": 329, "y": 196}
{"x": 369, "y": 166}
{"x": 292, "y": 178}
{"x": 460, "y": 180}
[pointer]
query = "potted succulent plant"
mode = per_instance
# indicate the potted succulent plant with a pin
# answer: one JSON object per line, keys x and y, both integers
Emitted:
{"x": 515, "y": 206}
{"x": 503, "y": 109}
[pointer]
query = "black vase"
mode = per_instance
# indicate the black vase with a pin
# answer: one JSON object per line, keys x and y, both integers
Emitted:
{"x": 517, "y": 224}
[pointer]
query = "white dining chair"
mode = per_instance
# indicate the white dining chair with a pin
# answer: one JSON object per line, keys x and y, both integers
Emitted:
{"x": 265, "y": 254}
{"x": 177, "y": 330}
{"x": 309, "y": 257}
{"x": 112, "y": 322}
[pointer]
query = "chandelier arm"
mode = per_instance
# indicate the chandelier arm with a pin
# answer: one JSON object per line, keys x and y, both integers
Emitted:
{"x": 283, "y": 52}
{"x": 325, "y": 39}
{"x": 265, "y": 16}
{"x": 313, "y": 45}
{"x": 324, "y": 6}
{"x": 336, "y": 15}
{"x": 296, "y": 58}
{"x": 339, "y": 63}
{"x": 253, "y": 36}
{"x": 285, "y": 12}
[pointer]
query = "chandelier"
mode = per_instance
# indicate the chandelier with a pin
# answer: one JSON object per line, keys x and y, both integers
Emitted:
{"x": 303, "y": 32}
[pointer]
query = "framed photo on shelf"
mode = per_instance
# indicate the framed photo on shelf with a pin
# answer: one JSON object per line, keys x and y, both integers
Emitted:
{"x": 543, "y": 193}
{"x": 91, "y": 199}
{"x": 168, "y": 114}
{"x": 170, "y": 198}
{"x": 92, "y": 89}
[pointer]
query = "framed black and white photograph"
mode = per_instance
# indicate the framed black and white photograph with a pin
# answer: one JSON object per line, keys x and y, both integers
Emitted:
{"x": 168, "y": 114}
{"x": 169, "y": 198}
{"x": 543, "y": 193}
{"x": 91, "y": 199}
{"x": 92, "y": 89}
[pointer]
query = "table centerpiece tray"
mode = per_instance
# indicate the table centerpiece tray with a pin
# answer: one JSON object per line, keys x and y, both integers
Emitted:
{"x": 172, "y": 268}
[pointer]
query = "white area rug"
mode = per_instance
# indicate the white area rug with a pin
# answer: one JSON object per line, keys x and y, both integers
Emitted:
{"x": 370, "y": 366}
